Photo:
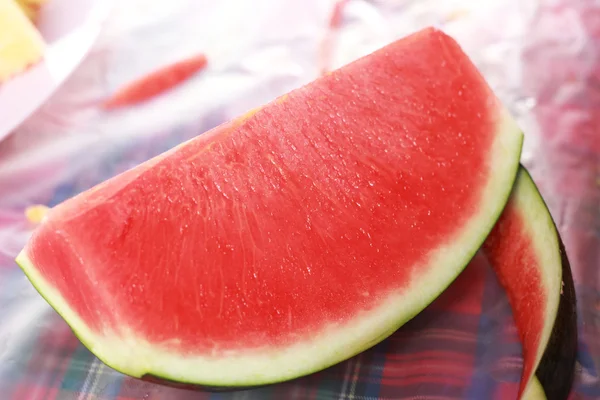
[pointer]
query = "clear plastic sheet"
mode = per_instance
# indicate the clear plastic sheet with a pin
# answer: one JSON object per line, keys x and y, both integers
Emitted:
{"x": 539, "y": 56}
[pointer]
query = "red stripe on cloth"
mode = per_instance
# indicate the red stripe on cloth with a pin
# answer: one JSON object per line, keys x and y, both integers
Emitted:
{"x": 427, "y": 379}
{"x": 506, "y": 390}
{"x": 48, "y": 364}
{"x": 429, "y": 368}
{"x": 31, "y": 391}
{"x": 433, "y": 355}
{"x": 435, "y": 335}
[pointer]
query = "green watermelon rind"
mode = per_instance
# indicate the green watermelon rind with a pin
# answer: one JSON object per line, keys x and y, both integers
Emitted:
{"x": 131, "y": 356}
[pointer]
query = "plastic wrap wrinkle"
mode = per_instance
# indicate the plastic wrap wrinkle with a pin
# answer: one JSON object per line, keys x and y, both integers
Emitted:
{"x": 539, "y": 56}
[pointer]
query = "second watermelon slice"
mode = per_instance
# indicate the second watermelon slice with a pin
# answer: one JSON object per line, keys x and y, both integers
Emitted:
{"x": 527, "y": 254}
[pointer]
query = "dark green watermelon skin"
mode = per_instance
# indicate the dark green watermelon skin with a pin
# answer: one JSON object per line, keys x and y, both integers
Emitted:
{"x": 557, "y": 367}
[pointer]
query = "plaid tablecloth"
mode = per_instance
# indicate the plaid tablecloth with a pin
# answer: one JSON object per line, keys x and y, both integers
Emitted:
{"x": 541, "y": 58}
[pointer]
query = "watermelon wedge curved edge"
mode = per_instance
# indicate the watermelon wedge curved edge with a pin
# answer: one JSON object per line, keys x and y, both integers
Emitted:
{"x": 528, "y": 256}
{"x": 293, "y": 238}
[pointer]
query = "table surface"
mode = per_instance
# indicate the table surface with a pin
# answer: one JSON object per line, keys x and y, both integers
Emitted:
{"x": 541, "y": 59}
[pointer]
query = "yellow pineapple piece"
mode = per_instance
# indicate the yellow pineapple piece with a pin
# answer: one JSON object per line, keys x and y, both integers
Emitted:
{"x": 36, "y": 213}
{"x": 31, "y": 8}
{"x": 21, "y": 45}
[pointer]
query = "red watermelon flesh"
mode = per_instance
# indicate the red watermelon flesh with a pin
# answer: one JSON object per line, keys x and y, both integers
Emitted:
{"x": 527, "y": 254}
{"x": 291, "y": 238}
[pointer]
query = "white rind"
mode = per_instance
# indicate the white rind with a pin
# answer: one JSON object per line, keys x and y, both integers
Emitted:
{"x": 133, "y": 356}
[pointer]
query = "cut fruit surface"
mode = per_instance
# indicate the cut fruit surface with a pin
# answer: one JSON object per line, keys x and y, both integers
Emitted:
{"x": 291, "y": 238}
{"x": 526, "y": 252}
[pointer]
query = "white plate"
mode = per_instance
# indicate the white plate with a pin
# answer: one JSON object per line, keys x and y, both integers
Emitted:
{"x": 69, "y": 28}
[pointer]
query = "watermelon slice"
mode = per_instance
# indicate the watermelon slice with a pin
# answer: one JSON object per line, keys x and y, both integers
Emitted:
{"x": 291, "y": 238}
{"x": 527, "y": 253}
